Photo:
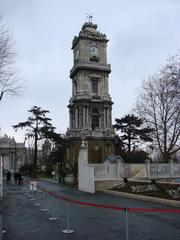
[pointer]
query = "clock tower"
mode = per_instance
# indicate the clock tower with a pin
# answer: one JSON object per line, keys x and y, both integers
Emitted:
{"x": 90, "y": 107}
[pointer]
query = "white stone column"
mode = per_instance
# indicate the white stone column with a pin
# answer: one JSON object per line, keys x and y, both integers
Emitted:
{"x": 76, "y": 117}
{"x": 108, "y": 118}
{"x": 84, "y": 116}
{"x": 87, "y": 117}
{"x": 70, "y": 120}
{"x": 104, "y": 119}
{"x": 110, "y": 115}
{"x": 83, "y": 152}
{"x": 99, "y": 122}
{"x": 107, "y": 84}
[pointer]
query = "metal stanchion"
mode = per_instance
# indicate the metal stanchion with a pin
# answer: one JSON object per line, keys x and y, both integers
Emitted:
{"x": 33, "y": 188}
{"x": 127, "y": 230}
{"x": 1, "y": 225}
{"x": 67, "y": 230}
{"x": 53, "y": 217}
{"x": 2, "y": 231}
{"x": 44, "y": 208}
{"x": 33, "y": 197}
{"x": 24, "y": 189}
{"x": 29, "y": 195}
{"x": 38, "y": 199}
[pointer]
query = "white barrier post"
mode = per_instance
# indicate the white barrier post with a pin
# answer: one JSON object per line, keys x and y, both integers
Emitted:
{"x": 33, "y": 188}
{"x": 44, "y": 209}
{"x": 53, "y": 217}
{"x": 127, "y": 230}
{"x": 67, "y": 230}
{"x": 38, "y": 199}
{"x": 26, "y": 192}
{"x": 1, "y": 225}
{"x": 29, "y": 194}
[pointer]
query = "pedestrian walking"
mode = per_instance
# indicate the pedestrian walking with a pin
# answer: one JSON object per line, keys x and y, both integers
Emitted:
{"x": 8, "y": 177}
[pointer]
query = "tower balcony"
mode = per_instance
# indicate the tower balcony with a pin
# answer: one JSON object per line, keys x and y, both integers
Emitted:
{"x": 97, "y": 133}
{"x": 90, "y": 99}
{"x": 90, "y": 66}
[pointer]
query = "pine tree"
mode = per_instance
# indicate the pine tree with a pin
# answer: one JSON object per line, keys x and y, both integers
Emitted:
{"x": 35, "y": 126}
{"x": 132, "y": 131}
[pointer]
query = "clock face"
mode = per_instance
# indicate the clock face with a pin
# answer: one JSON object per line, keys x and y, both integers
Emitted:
{"x": 93, "y": 51}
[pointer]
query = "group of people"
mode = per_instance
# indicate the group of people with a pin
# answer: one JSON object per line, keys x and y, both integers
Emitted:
{"x": 18, "y": 177}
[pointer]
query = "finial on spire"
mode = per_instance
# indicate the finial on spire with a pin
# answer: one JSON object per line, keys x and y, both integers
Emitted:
{"x": 89, "y": 17}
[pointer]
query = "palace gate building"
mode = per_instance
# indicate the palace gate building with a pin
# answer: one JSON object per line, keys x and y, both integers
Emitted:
{"x": 12, "y": 153}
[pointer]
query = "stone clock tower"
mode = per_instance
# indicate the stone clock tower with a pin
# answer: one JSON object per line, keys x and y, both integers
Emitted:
{"x": 90, "y": 106}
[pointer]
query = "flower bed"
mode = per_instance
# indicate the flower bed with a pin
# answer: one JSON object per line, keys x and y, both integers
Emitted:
{"x": 160, "y": 190}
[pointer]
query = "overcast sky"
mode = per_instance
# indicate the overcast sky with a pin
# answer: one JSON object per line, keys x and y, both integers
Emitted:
{"x": 142, "y": 34}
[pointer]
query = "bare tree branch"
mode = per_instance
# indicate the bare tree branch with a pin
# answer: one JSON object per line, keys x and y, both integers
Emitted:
{"x": 158, "y": 104}
{"x": 10, "y": 83}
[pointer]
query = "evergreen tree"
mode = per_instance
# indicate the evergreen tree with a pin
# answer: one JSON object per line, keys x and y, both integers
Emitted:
{"x": 58, "y": 153}
{"x": 132, "y": 132}
{"x": 35, "y": 126}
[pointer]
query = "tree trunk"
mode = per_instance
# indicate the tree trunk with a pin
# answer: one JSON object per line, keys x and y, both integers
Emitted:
{"x": 35, "y": 149}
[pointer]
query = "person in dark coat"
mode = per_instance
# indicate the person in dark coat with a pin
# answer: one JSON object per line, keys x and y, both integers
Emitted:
{"x": 15, "y": 177}
{"x": 8, "y": 177}
{"x": 20, "y": 178}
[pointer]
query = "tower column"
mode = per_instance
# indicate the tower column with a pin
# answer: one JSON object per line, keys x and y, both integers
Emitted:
{"x": 108, "y": 118}
{"x": 70, "y": 119}
{"x": 87, "y": 116}
{"x": 104, "y": 118}
{"x": 84, "y": 116}
{"x": 76, "y": 117}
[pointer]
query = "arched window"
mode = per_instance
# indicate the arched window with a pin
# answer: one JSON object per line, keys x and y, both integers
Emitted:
{"x": 94, "y": 82}
{"x": 95, "y": 119}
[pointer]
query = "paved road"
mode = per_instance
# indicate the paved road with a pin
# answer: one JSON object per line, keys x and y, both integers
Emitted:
{"x": 24, "y": 221}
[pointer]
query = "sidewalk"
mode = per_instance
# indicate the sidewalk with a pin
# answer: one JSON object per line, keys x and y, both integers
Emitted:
{"x": 22, "y": 220}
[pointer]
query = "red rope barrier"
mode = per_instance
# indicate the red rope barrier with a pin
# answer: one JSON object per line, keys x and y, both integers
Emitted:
{"x": 154, "y": 210}
{"x": 132, "y": 210}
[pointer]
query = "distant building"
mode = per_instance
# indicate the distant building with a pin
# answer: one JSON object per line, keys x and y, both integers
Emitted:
{"x": 13, "y": 153}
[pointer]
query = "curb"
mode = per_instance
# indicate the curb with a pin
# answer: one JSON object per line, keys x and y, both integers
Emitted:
{"x": 163, "y": 201}
{"x": 48, "y": 180}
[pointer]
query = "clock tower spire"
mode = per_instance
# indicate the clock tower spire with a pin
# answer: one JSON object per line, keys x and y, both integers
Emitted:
{"x": 90, "y": 106}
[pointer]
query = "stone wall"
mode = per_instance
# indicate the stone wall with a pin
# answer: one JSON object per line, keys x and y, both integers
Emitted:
{"x": 106, "y": 184}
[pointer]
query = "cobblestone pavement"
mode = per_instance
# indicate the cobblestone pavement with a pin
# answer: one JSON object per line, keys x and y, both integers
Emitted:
{"x": 23, "y": 220}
